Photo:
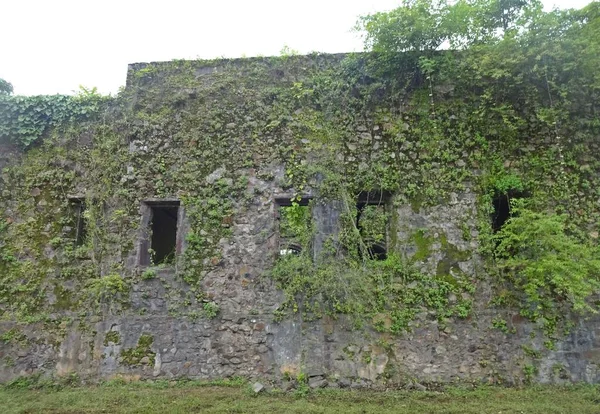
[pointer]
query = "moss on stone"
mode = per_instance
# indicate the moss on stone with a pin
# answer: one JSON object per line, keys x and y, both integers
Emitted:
{"x": 64, "y": 298}
{"x": 112, "y": 336}
{"x": 416, "y": 202}
{"x": 423, "y": 242}
{"x": 141, "y": 354}
{"x": 452, "y": 257}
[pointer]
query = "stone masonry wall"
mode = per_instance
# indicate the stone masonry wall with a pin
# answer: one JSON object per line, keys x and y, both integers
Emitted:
{"x": 150, "y": 337}
{"x": 244, "y": 339}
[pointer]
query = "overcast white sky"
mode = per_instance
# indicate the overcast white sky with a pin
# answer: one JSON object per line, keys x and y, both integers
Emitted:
{"x": 53, "y": 46}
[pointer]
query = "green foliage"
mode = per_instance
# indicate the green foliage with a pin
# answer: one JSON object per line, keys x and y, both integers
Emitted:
{"x": 425, "y": 25}
{"x": 501, "y": 324}
{"x": 302, "y": 388}
{"x": 415, "y": 26}
{"x": 25, "y": 119}
{"x": 210, "y": 213}
{"x": 504, "y": 182}
{"x": 367, "y": 291}
{"x": 530, "y": 352}
{"x": 13, "y": 335}
{"x": 107, "y": 288}
{"x": 295, "y": 223}
{"x": 135, "y": 356}
{"x": 550, "y": 272}
{"x": 211, "y": 309}
{"x": 112, "y": 336}
{"x": 149, "y": 274}
{"x": 287, "y": 51}
{"x": 6, "y": 87}
{"x": 530, "y": 371}
{"x": 38, "y": 382}
{"x": 373, "y": 224}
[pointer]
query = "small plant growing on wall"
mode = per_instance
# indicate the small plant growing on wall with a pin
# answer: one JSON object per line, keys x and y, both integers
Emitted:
{"x": 149, "y": 274}
{"x": 106, "y": 288}
{"x": 211, "y": 309}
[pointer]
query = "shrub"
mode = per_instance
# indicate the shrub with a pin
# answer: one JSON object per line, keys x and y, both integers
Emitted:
{"x": 549, "y": 270}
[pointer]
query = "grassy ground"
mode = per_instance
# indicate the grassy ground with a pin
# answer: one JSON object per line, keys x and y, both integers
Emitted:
{"x": 234, "y": 397}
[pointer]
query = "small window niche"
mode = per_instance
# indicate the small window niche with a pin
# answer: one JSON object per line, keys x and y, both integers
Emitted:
{"x": 372, "y": 219}
{"x": 502, "y": 209}
{"x": 79, "y": 227}
{"x": 161, "y": 223}
{"x": 295, "y": 225}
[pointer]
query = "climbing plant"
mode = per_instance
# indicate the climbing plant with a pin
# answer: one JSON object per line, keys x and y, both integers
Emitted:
{"x": 511, "y": 106}
{"x": 25, "y": 119}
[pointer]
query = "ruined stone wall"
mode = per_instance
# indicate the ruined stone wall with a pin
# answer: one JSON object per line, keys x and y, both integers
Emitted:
{"x": 212, "y": 312}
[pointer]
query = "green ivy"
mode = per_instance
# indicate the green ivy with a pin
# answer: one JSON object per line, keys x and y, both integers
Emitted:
{"x": 25, "y": 119}
{"x": 515, "y": 108}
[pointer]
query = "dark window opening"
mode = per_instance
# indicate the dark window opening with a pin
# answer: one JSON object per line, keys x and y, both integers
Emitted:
{"x": 372, "y": 222}
{"x": 373, "y": 198}
{"x": 79, "y": 225}
{"x": 164, "y": 233}
{"x": 377, "y": 251}
{"x": 502, "y": 211}
{"x": 158, "y": 243}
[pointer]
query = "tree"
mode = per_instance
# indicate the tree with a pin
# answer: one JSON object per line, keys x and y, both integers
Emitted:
{"x": 6, "y": 88}
{"x": 430, "y": 24}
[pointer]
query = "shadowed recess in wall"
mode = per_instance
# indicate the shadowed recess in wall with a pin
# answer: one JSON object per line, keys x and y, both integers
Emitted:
{"x": 164, "y": 233}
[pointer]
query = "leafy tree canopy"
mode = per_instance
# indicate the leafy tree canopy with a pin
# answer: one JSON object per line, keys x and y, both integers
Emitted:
{"x": 432, "y": 24}
{"x": 6, "y": 88}
{"x": 512, "y": 54}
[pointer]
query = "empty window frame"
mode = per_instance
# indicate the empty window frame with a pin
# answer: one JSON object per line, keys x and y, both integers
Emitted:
{"x": 159, "y": 245}
{"x": 372, "y": 222}
{"x": 295, "y": 223}
{"x": 502, "y": 209}
{"x": 79, "y": 228}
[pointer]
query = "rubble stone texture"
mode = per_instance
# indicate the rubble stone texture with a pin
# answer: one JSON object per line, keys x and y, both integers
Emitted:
{"x": 160, "y": 327}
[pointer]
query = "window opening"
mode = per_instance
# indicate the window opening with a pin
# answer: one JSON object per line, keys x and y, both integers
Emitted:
{"x": 295, "y": 223}
{"x": 78, "y": 208}
{"x": 164, "y": 233}
{"x": 377, "y": 251}
{"x": 501, "y": 204}
{"x": 372, "y": 222}
{"x": 161, "y": 221}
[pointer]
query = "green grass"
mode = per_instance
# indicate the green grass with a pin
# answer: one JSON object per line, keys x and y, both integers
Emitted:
{"x": 235, "y": 397}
